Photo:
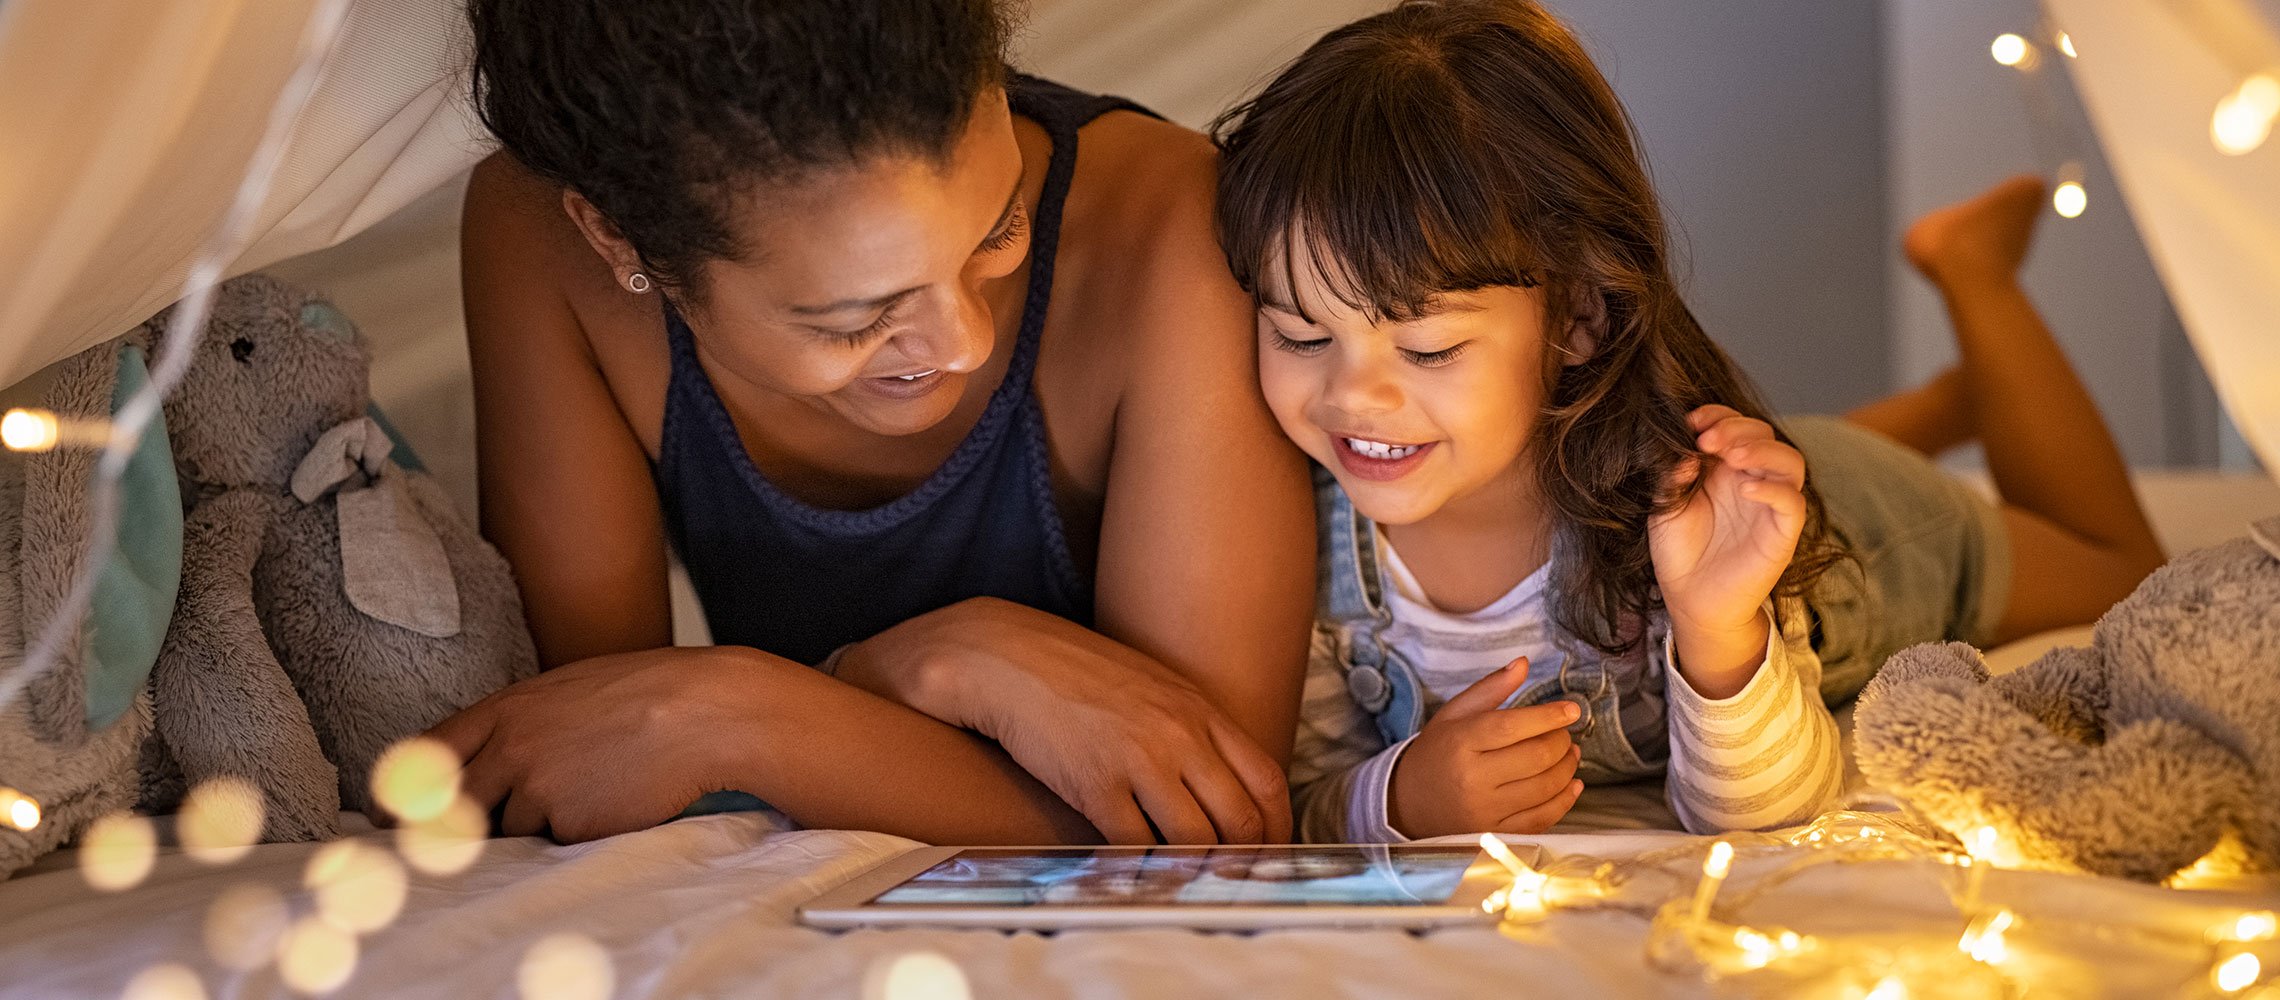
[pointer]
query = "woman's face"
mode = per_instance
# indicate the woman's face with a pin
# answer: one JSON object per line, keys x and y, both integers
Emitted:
{"x": 1411, "y": 416}
{"x": 862, "y": 294}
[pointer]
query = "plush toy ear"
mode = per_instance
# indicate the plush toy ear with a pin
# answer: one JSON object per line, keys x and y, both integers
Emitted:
{"x": 392, "y": 561}
{"x": 111, "y": 656}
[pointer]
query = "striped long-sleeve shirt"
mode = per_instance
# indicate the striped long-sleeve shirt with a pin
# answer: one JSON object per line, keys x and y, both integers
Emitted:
{"x": 1768, "y": 756}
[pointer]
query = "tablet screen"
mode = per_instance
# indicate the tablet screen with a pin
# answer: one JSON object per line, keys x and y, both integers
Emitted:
{"x": 1191, "y": 876}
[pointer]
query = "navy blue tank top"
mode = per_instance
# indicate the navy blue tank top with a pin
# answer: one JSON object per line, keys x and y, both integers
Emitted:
{"x": 800, "y": 581}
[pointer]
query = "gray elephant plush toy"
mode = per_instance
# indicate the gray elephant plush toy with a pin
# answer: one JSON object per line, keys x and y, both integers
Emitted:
{"x": 2136, "y": 757}
{"x": 330, "y": 604}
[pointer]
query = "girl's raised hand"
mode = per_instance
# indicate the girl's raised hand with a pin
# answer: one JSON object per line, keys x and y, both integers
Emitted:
{"x": 1719, "y": 555}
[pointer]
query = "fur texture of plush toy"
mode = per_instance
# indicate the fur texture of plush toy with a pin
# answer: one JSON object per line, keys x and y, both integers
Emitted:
{"x": 331, "y": 602}
{"x": 2136, "y": 757}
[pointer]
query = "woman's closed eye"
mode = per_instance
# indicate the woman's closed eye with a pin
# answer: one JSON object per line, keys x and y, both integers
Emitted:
{"x": 1016, "y": 226}
{"x": 859, "y": 337}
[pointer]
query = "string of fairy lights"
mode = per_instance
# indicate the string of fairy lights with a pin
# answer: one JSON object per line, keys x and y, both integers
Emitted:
{"x": 352, "y": 889}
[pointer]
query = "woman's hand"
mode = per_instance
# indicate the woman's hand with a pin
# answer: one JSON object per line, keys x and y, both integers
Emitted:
{"x": 1121, "y": 738}
{"x": 605, "y": 745}
{"x": 1718, "y": 557}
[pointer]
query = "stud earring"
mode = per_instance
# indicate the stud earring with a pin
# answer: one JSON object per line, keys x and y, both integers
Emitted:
{"x": 637, "y": 283}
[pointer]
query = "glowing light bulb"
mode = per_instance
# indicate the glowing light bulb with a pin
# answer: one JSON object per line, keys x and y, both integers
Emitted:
{"x": 2066, "y": 44}
{"x": 359, "y": 889}
{"x": 916, "y": 975}
{"x": 2011, "y": 50}
{"x": 220, "y": 820}
{"x": 2237, "y": 973}
{"x": 118, "y": 851}
{"x": 2256, "y": 925}
{"x": 1983, "y": 940}
{"x": 164, "y": 982}
{"x": 30, "y": 430}
{"x": 20, "y": 810}
{"x": 448, "y": 844}
{"x": 2243, "y": 119}
{"x": 315, "y": 957}
{"x": 1888, "y": 988}
{"x": 416, "y": 779}
{"x": 2069, "y": 199}
{"x": 1719, "y": 861}
{"x": 566, "y": 966}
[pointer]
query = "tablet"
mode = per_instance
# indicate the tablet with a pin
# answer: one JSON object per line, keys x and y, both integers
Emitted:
{"x": 1207, "y": 888}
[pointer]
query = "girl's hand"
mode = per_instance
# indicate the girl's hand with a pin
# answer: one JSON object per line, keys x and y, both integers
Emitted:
{"x": 1718, "y": 557}
{"x": 1476, "y": 768}
{"x": 1120, "y": 737}
{"x": 607, "y": 745}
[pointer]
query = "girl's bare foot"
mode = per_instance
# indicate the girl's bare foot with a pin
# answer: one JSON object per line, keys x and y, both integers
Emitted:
{"x": 1984, "y": 237}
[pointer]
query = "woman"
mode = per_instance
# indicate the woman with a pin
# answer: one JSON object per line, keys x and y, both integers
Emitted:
{"x": 821, "y": 295}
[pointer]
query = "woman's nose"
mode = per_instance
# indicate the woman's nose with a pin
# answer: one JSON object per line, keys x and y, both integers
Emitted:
{"x": 961, "y": 338}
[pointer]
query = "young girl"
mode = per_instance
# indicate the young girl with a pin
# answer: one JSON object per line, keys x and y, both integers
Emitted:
{"x": 1541, "y": 485}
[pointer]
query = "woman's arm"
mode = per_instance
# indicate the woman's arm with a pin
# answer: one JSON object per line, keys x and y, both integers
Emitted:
{"x": 1207, "y": 537}
{"x": 567, "y": 497}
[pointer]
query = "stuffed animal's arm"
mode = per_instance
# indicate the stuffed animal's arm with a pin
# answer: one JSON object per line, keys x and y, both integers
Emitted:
{"x": 225, "y": 707}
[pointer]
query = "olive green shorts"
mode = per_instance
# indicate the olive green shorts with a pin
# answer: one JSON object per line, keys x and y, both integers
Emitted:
{"x": 1931, "y": 557}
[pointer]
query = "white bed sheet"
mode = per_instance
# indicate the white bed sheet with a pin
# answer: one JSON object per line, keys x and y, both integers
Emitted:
{"x": 704, "y": 908}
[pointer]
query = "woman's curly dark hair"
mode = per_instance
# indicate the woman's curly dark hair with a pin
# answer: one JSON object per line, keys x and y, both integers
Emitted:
{"x": 663, "y": 112}
{"x": 1452, "y": 145}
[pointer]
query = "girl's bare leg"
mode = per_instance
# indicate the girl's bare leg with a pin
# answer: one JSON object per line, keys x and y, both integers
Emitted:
{"x": 1930, "y": 418}
{"x": 2079, "y": 540}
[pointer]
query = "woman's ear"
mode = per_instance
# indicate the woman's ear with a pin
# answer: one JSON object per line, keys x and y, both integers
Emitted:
{"x": 602, "y": 235}
{"x": 1587, "y": 322}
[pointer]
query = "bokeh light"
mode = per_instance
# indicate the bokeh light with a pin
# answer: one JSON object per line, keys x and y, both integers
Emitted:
{"x": 220, "y": 820}
{"x": 315, "y": 957}
{"x": 2069, "y": 199}
{"x": 916, "y": 975}
{"x": 29, "y": 430}
{"x": 2237, "y": 973}
{"x": 2066, "y": 44}
{"x": 118, "y": 851}
{"x": 164, "y": 982}
{"x": 449, "y": 843}
{"x": 18, "y": 810}
{"x": 416, "y": 780}
{"x": 359, "y": 889}
{"x": 566, "y": 966}
{"x": 2011, "y": 50}
{"x": 244, "y": 925}
{"x": 2244, "y": 118}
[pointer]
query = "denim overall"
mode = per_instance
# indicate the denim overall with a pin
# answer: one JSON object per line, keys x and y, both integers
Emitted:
{"x": 1351, "y": 613}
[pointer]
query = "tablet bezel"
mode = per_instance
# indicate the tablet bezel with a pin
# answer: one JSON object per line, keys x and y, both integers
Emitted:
{"x": 850, "y": 906}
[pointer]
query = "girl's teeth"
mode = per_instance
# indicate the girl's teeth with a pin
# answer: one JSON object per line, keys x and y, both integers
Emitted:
{"x": 1381, "y": 450}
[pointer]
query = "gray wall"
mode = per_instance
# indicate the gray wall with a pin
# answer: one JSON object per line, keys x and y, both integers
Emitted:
{"x": 1762, "y": 122}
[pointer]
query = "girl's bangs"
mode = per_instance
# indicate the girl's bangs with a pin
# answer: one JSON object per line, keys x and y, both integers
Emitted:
{"x": 1396, "y": 200}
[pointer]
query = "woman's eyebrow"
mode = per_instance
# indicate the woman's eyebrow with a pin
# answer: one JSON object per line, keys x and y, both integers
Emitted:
{"x": 1005, "y": 215}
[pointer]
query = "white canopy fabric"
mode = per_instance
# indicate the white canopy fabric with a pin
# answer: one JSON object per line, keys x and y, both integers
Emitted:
{"x": 2150, "y": 75}
{"x": 128, "y": 125}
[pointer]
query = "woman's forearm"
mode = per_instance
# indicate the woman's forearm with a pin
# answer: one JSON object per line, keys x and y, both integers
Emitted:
{"x": 835, "y": 757}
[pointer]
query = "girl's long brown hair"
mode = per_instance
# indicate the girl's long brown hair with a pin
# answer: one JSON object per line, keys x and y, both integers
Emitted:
{"x": 1451, "y": 145}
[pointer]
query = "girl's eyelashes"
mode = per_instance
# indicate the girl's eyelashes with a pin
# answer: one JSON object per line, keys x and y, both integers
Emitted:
{"x": 1302, "y": 348}
{"x": 1015, "y": 228}
{"x": 1435, "y": 359}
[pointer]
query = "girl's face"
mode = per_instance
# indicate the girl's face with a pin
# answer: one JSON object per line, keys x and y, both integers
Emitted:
{"x": 1413, "y": 416}
{"x": 863, "y": 291}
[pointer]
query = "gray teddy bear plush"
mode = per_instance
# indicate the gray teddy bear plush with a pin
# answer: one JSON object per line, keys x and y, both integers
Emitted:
{"x": 331, "y": 602}
{"x": 2136, "y": 757}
